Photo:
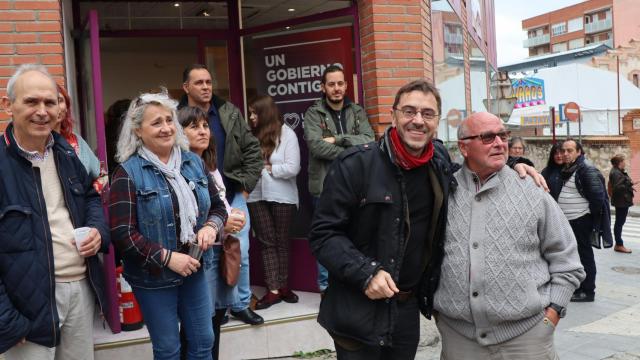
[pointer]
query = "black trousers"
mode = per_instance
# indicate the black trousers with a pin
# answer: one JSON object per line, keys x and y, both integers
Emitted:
{"x": 582, "y": 227}
{"x": 405, "y": 337}
{"x": 621, "y": 218}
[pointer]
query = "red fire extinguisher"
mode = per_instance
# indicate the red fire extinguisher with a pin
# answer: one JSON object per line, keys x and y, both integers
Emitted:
{"x": 130, "y": 314}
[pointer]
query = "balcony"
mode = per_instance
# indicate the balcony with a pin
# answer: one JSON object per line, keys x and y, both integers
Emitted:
{"x": 608, "y": 42}
{"x": 597, "y": 26}
{"x": 536, "y": 41}
{"x": 452, "y": 38}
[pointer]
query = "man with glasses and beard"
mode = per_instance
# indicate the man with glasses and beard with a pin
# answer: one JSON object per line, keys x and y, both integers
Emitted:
{"x": 331, "y": 125}
{"x": 510, "y": 260}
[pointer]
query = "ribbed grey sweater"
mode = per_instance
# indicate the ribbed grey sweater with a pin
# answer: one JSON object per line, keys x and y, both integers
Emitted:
{"x": 509, "y": 252}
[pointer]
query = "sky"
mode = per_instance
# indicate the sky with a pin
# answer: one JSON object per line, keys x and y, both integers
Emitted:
{"x": 509, "y": 16}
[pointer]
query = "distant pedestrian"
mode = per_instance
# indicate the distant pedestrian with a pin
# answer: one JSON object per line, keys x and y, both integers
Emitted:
{"x": 510, "y": 260}
{"x": 583, "y": 200}
{"x": 517, "y": 148}
{"x": 621, "y": 197}
{"x": 553, "y": 169}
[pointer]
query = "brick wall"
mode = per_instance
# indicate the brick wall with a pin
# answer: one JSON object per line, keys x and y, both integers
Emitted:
{"x": 30, "y": 32}
{"x": 396, "y": 48}
{"x": 633, "y": 161}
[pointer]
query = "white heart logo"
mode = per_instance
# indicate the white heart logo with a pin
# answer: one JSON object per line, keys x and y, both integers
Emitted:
{"x": 292, "y": 120}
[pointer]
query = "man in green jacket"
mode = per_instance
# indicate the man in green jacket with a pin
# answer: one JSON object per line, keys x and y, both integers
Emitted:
{"x": 239, "y": 160}
{"x": 332, "y": 124}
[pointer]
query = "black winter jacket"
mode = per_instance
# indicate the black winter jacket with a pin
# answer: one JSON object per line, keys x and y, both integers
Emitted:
{"x": 27, "y": 279}
{"x": 591, "y": 185}
{"x": 622, "y": 186}
{"x": 361, "y": 225}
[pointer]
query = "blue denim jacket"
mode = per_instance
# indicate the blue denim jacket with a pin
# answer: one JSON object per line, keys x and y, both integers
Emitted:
{"x": 155, "y": 217}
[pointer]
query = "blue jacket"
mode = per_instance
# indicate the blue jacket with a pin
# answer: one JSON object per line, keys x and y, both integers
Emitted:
{"x": 27, "y": 278}
{"x": 551, "y": 175}
{"x": 155, "y": 218}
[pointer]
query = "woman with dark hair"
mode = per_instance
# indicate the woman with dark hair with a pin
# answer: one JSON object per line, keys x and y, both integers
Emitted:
{"x": 551, "y": 172}
{"x": 621, "y": 194}
{"x": 64, "y": 126}
{"x": 195, "y": 123}
{"x": 274, "y": 200}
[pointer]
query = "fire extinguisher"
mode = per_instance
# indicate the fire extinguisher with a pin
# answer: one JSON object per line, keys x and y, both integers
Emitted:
{"x": 130, "y": 314}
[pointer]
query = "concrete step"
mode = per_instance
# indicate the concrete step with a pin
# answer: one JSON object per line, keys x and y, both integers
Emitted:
{"x": 288, "y": 328}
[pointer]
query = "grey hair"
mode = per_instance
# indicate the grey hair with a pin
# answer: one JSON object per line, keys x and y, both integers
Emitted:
{"x": 25, "y": 68}
{"x": 128, "y": 141}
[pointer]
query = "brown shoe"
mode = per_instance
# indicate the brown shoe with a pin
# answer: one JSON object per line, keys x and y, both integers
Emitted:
{"x": 622, "y": 249}
{"x": 288, "y": 296}
{"x": 267, "y": 300}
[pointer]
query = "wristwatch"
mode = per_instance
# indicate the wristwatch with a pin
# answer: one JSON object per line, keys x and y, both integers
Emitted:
{"x": 561, "y": 310}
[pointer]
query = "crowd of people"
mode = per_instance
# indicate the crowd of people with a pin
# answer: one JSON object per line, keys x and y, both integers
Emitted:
{"x": 398, "y": 228}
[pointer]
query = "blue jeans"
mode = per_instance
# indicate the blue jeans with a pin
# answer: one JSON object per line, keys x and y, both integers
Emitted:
{"x": 222, "y": 295}
{"x": 244, "y": 288}
{"x": 323, "y": 273}
{"x": 188, "y": 304}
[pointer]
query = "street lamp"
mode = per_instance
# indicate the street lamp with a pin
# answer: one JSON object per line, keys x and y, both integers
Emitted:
{"x": 502, "y": 98}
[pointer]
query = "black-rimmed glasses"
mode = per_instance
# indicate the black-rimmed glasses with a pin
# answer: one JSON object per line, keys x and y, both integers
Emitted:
{"x": 488, "y": 137}
{"x": 410, "y": 113}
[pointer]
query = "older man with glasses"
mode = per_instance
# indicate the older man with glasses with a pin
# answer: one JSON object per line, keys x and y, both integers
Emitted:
{"x": 510, "y": 260}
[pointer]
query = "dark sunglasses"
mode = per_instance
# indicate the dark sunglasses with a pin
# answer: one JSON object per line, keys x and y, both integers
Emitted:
{"x": 489, "y": 137}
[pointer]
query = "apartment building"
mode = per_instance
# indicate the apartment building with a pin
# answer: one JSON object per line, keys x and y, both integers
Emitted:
{"x": 609, "y": 22}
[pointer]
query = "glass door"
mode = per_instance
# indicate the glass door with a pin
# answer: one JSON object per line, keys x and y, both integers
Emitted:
{"x": 216, "y": 59}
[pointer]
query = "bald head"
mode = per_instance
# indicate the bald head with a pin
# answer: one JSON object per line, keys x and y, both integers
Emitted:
{"x": 482, "y": 139}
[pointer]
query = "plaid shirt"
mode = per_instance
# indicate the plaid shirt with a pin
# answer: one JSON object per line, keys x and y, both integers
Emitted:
{"x": 123, "y": 220}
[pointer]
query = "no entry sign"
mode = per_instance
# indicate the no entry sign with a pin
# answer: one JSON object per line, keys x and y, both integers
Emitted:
{"x": 572, "y": 111}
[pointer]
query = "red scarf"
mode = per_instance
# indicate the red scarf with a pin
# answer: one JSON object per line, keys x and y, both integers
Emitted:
{"x": 403, "y": 158}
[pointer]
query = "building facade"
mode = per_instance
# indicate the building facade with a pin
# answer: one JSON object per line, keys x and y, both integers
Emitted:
{"x": 106, "y": 51}
{"x": 610, "y": 22}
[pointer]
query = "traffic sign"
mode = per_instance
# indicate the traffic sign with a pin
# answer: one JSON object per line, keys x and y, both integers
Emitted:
{"x": 454, "y": 117}
{"x": 572, "y": 111}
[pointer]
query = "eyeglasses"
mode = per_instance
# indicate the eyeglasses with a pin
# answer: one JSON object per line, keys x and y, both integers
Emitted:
{"x": 410, "y": 113}
{"x": 489, "y": 137}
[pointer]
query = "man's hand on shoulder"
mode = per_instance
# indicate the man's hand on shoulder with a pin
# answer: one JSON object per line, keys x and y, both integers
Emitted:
{"x": 523, "y": 170}
{"x": 381, "y": 286}
{"x": 330, "y": 140}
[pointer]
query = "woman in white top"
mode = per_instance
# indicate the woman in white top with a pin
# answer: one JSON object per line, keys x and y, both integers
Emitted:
{"x": 274, "y": 200}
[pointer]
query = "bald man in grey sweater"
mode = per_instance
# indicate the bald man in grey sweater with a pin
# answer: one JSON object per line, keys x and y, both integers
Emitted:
{"x": 511, "y": 261}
